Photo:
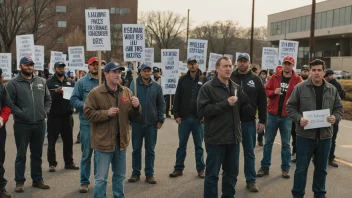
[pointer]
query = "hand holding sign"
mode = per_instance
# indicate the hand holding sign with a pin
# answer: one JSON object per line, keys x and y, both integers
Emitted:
{"x": 332, "y": 119}
{"x": 135, "y": 101}
{"x": 303, "y": 122}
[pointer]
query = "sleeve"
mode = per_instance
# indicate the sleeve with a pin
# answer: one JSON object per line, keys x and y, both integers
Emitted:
{"x": 135, "y": 113}
{"x": 132, "y": 87}
{"x": 262, "y": 103}
{"x": 13, "y": 96}
{"x": 205, "y": 106}
{"x": 270, "y": 89}
{"x": 77, "y": 97}
{"x": 161, "y": 106}
{"x": 47, "y": 99}
{"x": 177, "y": 100}
{"x": 337, "y": 110}
{"x": 340, "y": 90}
{"x": 91, "y": 109}
{"x": 292, "y": 106}
{"x": 6, "y": 104}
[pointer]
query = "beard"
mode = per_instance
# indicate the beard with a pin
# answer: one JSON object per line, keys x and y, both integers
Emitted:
{"x": 60, "y": 74}
{"x": 26, "y": 73}
{"x": 304, "y": 77}
{"x": 94, "y": 72}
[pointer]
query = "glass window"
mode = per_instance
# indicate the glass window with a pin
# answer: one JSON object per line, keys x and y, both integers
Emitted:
{"x": 61, "y": 24}
{"x": 348, "y": 15}
{"x": 287, "y": 26}
{"x": 319, "y": 54}
{"x": 300, "y": 54}
{"x": 283, "y": 27}
{"x": 318, "y": 21}
{"x": 299, "y": 21}
{"x": 342, "y": 16}
{"x": 308, "y": 23}
{"x": 291, "y": 26}
{"x": 60, "y": 40}
{"x": 329, "y": 18}
{"x": 323, "y": 20}
{"x": 303, "y": 24}
{"x": 91, "y": 8}
{"x": 124, "y": 11}
{"x": 336, "y": 17}
{"x": 279, "y": 28}
{"x": 60, "y": 9}
{"x": 272, "y": 29}
{"x": 112, "y": 10}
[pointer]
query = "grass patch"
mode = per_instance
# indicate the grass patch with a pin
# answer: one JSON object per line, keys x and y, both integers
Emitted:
{"x": 347, "y": 107}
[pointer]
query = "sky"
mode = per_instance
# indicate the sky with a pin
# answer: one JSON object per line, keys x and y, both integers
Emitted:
{"x": 202, "y": 11}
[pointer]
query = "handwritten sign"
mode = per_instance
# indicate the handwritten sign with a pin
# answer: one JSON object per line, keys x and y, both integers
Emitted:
{"x": 98, "y": 36}
{"x": 288, "y": 48}
{"x": 269, "y": 58}
{"x": 5, "y": 65}
{"x": 76, "y": 57}
{"x": 133, "y": 42}
{"x": 317, "y": 119}
{"x": 39, "y": 57}
{"x": 24, "y": 47}
{"x": 169, "y": 84}
{"x": 212, "y": 61}
{"x": 170, "y": 61}
{"x": 198, "y": 49}
{"x": 149, "y": 56}
{"x": 56, "y": 57}
{"x": 182, "y": 68}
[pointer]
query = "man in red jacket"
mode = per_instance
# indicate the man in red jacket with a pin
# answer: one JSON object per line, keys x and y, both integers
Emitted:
{"x": 278, "y": 90}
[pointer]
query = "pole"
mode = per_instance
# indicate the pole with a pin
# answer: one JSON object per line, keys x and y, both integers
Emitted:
{"x": 99, "y": 67}
{"x": 312, "y": 30}
{"x": 187, "y": 31}
{"x": 252, "y": 32}
{"x": 134, "y": 79}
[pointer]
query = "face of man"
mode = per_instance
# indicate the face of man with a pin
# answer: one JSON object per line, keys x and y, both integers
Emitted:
{"x": 317, "y": 73}
{"x": 93, "y": 68}
{"x": 113, "y": 77}
{"x": 243, "y": 65}
{"x": 146, "y": 73}
{"x": 60, "y": 71}
{"x": 329, "y": 77}
{"x": 225, "y": 69}
{"x": 156, "y": 74}
{"x": 304, "y": 74}
{"x": 287, "y": 67}
{"x": 193, "y": 66}
{"x": 27, "y": 69}
{"x": 263, "y": 75}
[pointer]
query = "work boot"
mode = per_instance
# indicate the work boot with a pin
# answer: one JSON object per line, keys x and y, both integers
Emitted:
{"x": 4, "y": 193}
{"x": 176, "y": 173}
{"x": 19, "y": 188}
{"x": 201, "y": 174}
{"x": 40, "y": 184}
{"x": 262, "y": 173}
{"x": 333, "y": 163}
{"x": 252, "y": 187}
{"x": 285, "y": 174}
{"x": 134, "y": 178}
{"x": 52, "y": 169}
{"x": 150, "y": 179}
{"x": 293, "y": 159}
{"x": 260, "y": 143}
{"x": 72, "y": 166}
{"x": 84, "y": 188}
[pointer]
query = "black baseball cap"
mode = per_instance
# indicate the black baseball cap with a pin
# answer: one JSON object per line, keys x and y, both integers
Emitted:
{"x": 156, "y": 69}
{"x": 26, "y": 60}
{"x": 328, "y": 72}
{"x": 112, "y": 66}
{"x": 59, "y": 64}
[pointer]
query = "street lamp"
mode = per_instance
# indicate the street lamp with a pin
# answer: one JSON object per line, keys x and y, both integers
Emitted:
{"x": 252, "y": 31}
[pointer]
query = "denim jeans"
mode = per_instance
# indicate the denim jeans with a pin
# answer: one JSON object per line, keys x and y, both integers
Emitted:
{"x": 333, "y": 141}
{"x": 86, "y": 153}
{"x": 225, "y": 156}
{"x": 117, "y": 159}
{"x": 306, "y": 148}
{"x": 248, "y": 142}
{"x": 149, "y": 134}
{"x": 190, "y": 124}
{"x": 284, "y": 125}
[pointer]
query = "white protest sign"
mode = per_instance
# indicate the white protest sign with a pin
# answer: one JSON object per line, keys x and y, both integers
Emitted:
{"x": 67, "y": 92}
{"x": 24, "y": 47}
{"x": 133, "y": 42}
{"x": 269, "y": 58}
{"x": 198, "y": 49}
{"x": 317, "y": 119}
{"x": 169, "y": 62}
{"x": 237, "y": 54}
{"x": 149, "y": 56}
{"x": 212, "y": 60}
{"x": 39, "y": 57}
{"x": 55, "y": 57}
{"x": 229, "y": 56}
{"x": 98, "y": 36}
{"x": 76, "y": 57}
{"x": 5, "y": 65}
{"x": 288, "y": 48}
{"x": 182, "y": 68}
{"x": 169, "y": 84}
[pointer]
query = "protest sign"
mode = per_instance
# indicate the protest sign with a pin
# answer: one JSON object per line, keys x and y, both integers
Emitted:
{"x": 170, "y": 61}
{"x": 169, "y": 84}
{"x": 149, "y": 56}
{"x": 76, "y": 57}
{"x": 269, "y": 58}
{"x": 98, "y": 36}
{"x": 133, "y": 42}
{"x": 24, "y": 47}
{"x": 212, "y": 60}
{"x": 5, "y": 65}
{"x": 198, "y": 49}
{"x": 55, "y": 57}
{"x": 182, "y": 68}
{"x": 39, "y": 57}
{"x": 288, "y": 48}
{"x": 317, "y": 119}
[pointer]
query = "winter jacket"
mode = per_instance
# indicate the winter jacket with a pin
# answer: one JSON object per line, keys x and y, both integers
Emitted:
{"x": 339, "y": 88}
{"x": 31, "y": 99}
{"x": 5, "y": 104}
{"x": 253, "y": 86}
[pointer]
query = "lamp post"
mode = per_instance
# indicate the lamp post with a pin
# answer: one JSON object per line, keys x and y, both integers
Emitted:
{"x": 312, "y": 30}
{"x": 252, "y": 31}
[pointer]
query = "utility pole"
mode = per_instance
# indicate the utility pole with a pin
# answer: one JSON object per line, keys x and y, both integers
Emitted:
{"x": 312, "y": 30}
{"x": 187, "y": 32}
{"x": 252, "y": 32}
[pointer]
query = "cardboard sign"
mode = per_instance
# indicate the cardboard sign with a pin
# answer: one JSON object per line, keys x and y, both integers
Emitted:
{"x": 317, "y": 119}
{"x": 55, "y": 57}
{"x": 5, "y": 65}
{"x": 149, "y": 56}
{"x": 76, "y": 57}
{"x": 39, "y": 57}
{"x": 169, "y": 84}
{"x": 24, "y": 47}
{"x": 98, "y": 36}
{"x": 182, "y": 68}
{"x": 212, "y": 60}
{"x": 133, "y": 42}
{"x": 269, "y": 58}
{"x": 198, "y": 49}
{"x": 170, "y": 61}
{"x": 288, "y": 48}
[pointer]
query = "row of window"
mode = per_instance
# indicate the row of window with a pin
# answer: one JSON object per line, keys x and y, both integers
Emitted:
{"x": 327, "y": 19}
{"x": 63, "y": 24}
{"x": 120, "y": 11}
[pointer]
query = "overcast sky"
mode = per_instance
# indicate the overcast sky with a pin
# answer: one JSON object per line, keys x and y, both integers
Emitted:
{"x": 213, "y": 10}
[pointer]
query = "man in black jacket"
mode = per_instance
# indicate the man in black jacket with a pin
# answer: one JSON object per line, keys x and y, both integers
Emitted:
{"x": 329, "y": 76}
{"x": 221, "y": 101}
{"x": 60, "y": 118}
{"x": 252, "y": 85}
{"x": 185, "y": 112}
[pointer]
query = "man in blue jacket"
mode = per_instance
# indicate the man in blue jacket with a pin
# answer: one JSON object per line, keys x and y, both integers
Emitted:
{"x": 151, "y": 98}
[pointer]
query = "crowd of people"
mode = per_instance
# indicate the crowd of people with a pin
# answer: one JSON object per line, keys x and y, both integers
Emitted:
{"x": 222, "y": 108}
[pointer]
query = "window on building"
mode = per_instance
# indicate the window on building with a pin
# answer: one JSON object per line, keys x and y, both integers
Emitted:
{"x": 348, "y": 15}
{"x": 278, "y": 28}
{"x": 318, "y": 21}
{"x": 329, "y": 18}
{"x": 318, "y": 54}
{"x": 91, "y": 8}
{"x": 336, "y": 17}
{"x": 299, "y": 26}
{"x": 124, "y": 11}
{"x": 1, "y": 1}
{"x": 112, "y": 10}
{"x": 272, "y": 29}
{"x": 42, "y": 25}
{"x": 61, "y": 23}
{"x": 291, "y": 26}
{"x": 303, "y": 23}
{"x": 60, "y": 39}
{"x": 342, "y": 16}
{"x": 323, "y": 20}
{"x": 116, "y": 26}
{"x": 308, "y": 22}
{"x": 287, "y": 22}
{"x": 60, "y": 9}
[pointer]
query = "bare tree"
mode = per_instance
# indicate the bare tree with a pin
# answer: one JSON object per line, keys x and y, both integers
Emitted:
{"x": 260, "y": 33}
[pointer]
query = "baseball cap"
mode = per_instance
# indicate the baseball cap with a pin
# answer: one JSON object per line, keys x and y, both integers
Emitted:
{"x": 192, "y": 59}
{"x": 328, "y": 72}
{"x": 245, "y": 56}
{"x": 111, "y": 66}
{"x": 305, "y": 67}
{"x": 59, "y": 64}
{"x": 92, "y": 60}
{"x": 26, "y": 60}
{"x": 143, "y": 66}
{"x": 156, "y": 69}
{"x": 289, "y": 59}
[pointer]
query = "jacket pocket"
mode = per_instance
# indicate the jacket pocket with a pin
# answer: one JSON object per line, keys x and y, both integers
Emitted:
{"x": 102, "y": 138}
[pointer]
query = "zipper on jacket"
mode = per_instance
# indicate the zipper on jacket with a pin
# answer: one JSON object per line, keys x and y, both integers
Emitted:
{"x": 33, "y": 101}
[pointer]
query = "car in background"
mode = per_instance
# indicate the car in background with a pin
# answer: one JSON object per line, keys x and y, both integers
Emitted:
{"x": 342, "y": 75}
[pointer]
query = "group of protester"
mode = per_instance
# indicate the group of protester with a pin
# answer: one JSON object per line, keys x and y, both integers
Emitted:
{"x": 222, "y": 112}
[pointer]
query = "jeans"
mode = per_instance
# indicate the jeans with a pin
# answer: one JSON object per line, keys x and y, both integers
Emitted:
{"x": 86, "y": 154}
{"x": 293, "y": 134}
{"x": 32, "y": 135}
{"x": 149, "y": 134}
{"x": 225, "y": 156}
{"x": 305, "y": 150}
{"x": 284, "y": 125}
{"x": 190, "y": 124}
{"x": 117, "y": 159}
{"x": 248, "y": 142}
{"x": 333, "y": 141}
{"x": 3, "y": 181}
